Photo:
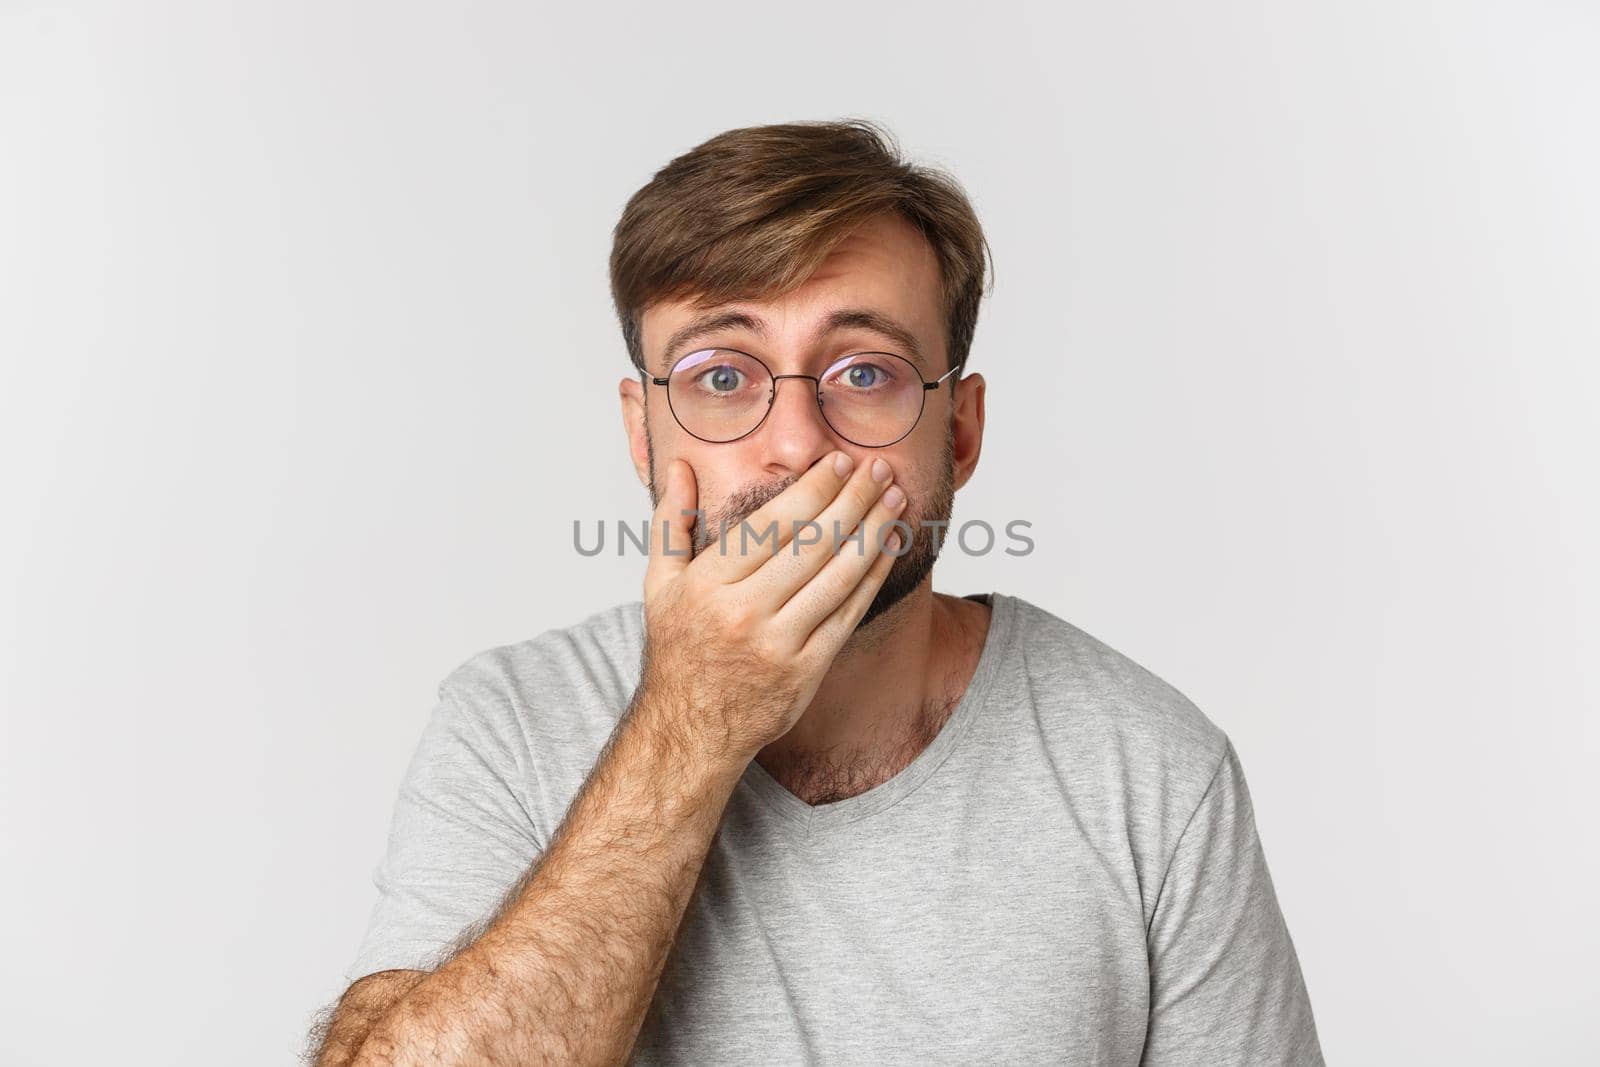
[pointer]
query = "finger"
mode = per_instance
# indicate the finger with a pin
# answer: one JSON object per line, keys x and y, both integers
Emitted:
{"x": 745, "y": 546}
{"x": 832, "y": 632}
{"x": 671, "y": 526}
{"x": 842, "y": 571}
{"x": 838, "y": 531}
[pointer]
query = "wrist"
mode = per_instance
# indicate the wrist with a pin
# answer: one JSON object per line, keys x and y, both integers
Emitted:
{"x": 686, "y": 745}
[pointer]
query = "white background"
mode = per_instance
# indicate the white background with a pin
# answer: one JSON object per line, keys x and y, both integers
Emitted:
{"x": 309, "y": 363}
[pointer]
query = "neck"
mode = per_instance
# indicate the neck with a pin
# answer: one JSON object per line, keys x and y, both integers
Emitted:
{"x": 885, "y": 697}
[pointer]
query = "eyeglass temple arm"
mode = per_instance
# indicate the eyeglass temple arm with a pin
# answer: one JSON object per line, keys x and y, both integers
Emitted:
{"x": 935, "y": 383}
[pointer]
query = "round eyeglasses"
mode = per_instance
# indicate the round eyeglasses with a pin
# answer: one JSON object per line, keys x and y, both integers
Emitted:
{"x": 871, "y": 399}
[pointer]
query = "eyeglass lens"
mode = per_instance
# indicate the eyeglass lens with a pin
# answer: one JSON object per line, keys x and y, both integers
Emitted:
{"x": 869, "y": 398}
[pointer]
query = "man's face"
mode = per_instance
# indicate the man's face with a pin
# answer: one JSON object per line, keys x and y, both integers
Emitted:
{"x": 884, "y": 266}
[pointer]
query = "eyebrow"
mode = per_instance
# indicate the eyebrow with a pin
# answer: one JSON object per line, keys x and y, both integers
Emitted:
{"x": 855, "y": 318}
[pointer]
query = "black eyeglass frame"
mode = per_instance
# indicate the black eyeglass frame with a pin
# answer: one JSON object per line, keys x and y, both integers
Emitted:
{"x": 772, "y": 396}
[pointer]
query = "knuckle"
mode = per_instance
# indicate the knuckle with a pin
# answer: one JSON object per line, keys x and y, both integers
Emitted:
{"x": 764, "y": 648}
{"x": 739, "y": 618}
{"x": 839, "y": 585}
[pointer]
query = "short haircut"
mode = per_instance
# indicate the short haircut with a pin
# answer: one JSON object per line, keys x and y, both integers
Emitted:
{"x": 753, "y": 212}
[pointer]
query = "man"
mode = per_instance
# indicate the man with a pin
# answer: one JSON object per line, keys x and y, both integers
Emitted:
{"x": 793, "y": 806}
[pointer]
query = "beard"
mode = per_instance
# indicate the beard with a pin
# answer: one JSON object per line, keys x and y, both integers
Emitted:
{"x": 929, "y": 521}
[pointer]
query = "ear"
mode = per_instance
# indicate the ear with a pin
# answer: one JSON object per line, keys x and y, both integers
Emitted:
{"x": 631, "y": 392}
{"x": 967, "y": 427}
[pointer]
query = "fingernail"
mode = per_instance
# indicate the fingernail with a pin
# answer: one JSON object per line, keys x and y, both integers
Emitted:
{"x": 893, "y": 497}
{"x": 880, "y": 469}
{"x": 842, "y": 463}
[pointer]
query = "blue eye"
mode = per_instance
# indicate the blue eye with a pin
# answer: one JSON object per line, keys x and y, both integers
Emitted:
{"x": 723, "y": 379}
{"x": 862, "y": 377}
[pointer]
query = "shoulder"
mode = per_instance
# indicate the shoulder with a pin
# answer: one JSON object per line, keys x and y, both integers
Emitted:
{"x": 1095, "y": 704}
{"x": 533, "y": 715}
{"x": 566, "y": 685}
{"x": 596, "y": 650}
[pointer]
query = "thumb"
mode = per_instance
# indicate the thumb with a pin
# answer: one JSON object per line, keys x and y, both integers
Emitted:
{"x": 672, "y": 526}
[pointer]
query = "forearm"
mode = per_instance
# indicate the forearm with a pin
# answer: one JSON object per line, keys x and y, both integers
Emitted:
{"x": 566, "y": 972}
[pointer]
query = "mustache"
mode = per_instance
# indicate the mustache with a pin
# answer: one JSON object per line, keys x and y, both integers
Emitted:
{"x": 736, "y": 507}
{"x": 740, "y": 504}
{"x": 743, "y": 503}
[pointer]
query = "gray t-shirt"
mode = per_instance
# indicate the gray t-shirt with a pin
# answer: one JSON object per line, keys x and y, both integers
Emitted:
{"x": 1069, "y": 872}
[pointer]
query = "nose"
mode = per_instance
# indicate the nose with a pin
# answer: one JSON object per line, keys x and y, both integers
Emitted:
{"x": 795, "y": 435}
